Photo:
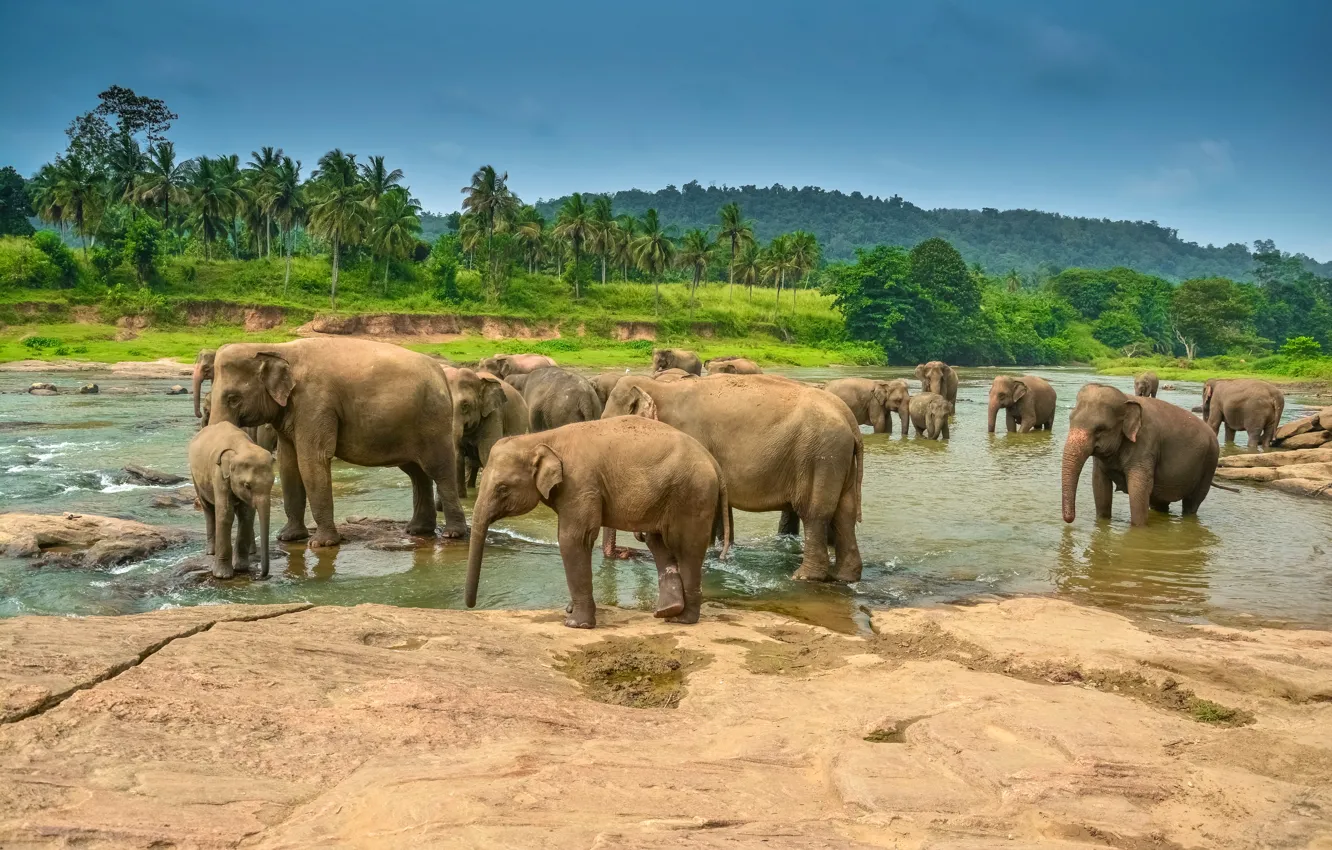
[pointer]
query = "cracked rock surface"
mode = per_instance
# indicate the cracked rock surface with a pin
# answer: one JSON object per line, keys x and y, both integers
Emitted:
{"x": 1027, "y": 722}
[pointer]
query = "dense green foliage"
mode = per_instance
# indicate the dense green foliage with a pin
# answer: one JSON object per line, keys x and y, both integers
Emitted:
{"x": 14, "y": 204}
{"x": 1032, "y": 242}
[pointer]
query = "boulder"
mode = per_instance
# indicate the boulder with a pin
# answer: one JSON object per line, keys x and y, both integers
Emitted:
{"x": 89, "y": 389}
{"x": 1314, "y": 488}
{"x": 178, "y": 390}
{"x": 1295, "y": 427}
{"x": 1318, "y": 471}
{"x": 1280, "y": 458}
{"x": 42, "y": 392}
{"x": 1325, "y": 419}
{"x": 82, "y": 540}
{"x": 144, "y": 475}
{"x": 43, "y": 389}
{"x": 184, "y": 497}
{"x": 1308, "y": 440}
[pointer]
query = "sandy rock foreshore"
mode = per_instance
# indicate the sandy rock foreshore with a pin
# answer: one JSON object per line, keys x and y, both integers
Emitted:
{"x": 1029, "y": 722}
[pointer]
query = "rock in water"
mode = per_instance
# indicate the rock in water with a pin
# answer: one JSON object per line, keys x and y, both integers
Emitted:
{"x": 178, "y": 390}
{"x": 144, "y": 475}
{"x": 82, "y": 540}
{"x": 1296, "y": 427}
{"x": 43, "y": 389}
{"x": 1325, "y": 419}
{"x": 89, "y": 389}
{"x": 1310, "y": 440}
{"x": 184, "y": 497}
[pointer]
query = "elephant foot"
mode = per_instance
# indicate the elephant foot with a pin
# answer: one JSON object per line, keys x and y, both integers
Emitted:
{"x": 670, "y": 594}
{"x": 455, "y": 531}
{"x": 325, "y": 539}
{"x": 293, "y": 531}
{"x": 223, "y": 570}
{"x": 810, "y": 573}
{"x": 849, "y": 574}
{"x": 421, "y": 529}
{"x": 580, "y": 616}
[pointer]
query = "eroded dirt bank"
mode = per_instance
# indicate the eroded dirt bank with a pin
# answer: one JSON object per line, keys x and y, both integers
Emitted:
{"x": 1022, "y": 723}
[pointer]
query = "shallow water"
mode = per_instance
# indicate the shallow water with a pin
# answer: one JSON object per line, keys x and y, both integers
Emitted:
{"x": 975, "y": 516}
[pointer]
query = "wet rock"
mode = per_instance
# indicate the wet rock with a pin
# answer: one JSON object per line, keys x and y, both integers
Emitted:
{"x": 185, "y": 497}
{"x": 385, "y": 535}
{"x": 1281, "y": 458}
{"x": 178, "y": 390}
{"x": 1196, "y": 409}
{"x": 144, "y": 475}
{"x": 89, "y": 389}
{"x": 43, "y": 389}
{"x": 1310, "y": 440}
{"x": 42, "y": 392}
{"x": 82, "y": 540}
{"x": 1296, "y": 427}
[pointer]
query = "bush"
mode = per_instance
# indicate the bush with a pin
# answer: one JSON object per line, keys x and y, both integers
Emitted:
{"x": 144, "y": 246}
{"x": 442, "y": 267}
{"x": 37, "y": 343}
{"x": 49, "y": 243}
{"x": 1302, "y": 348}
{"x": 23, "y": 265}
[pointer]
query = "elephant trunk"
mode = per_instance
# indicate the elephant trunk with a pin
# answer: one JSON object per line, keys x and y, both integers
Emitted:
{"x": 904, "y": 414}
{"x": 993, "y": 414}
{"x": 1076, "y": 451}
{"x": 262, "y": 507}
{"x": 198, "y": 384}
{"x": 476, "y": 548}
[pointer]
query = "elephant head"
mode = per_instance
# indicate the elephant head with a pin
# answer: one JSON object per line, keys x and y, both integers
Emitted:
{"x": 1209, "y": 390}
{"x": 931, "y": 376}
{"x": 1102, "y": 419}
{"x": 496, "y": 365}
{"x": 249, "y": 474}
{"x": 889, "y": 397}
{"x": 1005, "y": 392}
{"x": 522, "y": 473}
{"x": 203, "y": 371}
{"x": 478, "y": 408}
{"x": 663, "y": 359}
{"x": 251, "y": 386}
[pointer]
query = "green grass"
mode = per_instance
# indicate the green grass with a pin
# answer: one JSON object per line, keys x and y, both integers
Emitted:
{"x": 1277, "y": 368}
{"x": 97, "y": 343}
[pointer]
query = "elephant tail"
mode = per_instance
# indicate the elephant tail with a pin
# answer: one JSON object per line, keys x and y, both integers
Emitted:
{"x": 857, "y": 472}
{"x": 1224, "y": 487}
{"x": 721, "y": 522}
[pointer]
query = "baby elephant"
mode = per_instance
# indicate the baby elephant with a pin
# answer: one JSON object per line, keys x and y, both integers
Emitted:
{"x": 233, "y": 478}
{"x": 929, "y": 415}
{"x": 627, "y": 472}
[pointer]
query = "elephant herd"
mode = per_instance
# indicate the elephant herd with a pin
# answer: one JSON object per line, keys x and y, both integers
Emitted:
{"x": 666, "y": 455}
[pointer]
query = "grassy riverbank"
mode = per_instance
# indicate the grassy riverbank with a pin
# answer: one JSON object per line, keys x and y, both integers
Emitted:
{"x": 1277, "y": 368}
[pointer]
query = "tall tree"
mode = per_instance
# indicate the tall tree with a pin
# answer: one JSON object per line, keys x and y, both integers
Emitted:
{"x": 602, "y": 236}
{"x": 45, "y": 197}
{"x": 125, "y": 164}
{"x": 285, "y": 203}
{"x": 736, "y": 231}
{"x": 777, "y": 263}
{"x": 260, "y": 172}
{"x": 654, "y": 251}
{"x": 396, "y": 226}
{"x": 213, "y": 199}
{"x": 80, "y": 195}
{"x": 696, "y": 249}
{"x": 749, "y": 267}
{"x": 489, "y": 199}
{"x": 573, "y": 225}
{"x": 531, "y": 231}
{"x": 379, "y": 180}
{"x": 622, "y": 250}
{"x": 15, "y": 205}
{"x": 1209, "y": 314}
{"x": 338, "y": 212}
{"x": 164, "y": 180}
{"x": 805, "y": 253}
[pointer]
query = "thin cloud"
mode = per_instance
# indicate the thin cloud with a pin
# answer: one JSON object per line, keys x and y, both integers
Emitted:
{"x": 1193, "y": 167}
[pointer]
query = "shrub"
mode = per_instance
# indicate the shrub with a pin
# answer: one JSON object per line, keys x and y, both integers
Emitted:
{"x": 37, "y": 343}
{"x": 1302, "y": 348}
{"x": 23, "y": 265}
{"x": 49, "y": 243}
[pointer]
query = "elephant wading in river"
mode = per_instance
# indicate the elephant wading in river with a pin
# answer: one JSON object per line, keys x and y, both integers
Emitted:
{"x": 780, "y": 444}
{"x": 938, "y": 377}
{"x": 1156, "y": 452}
{"x": 676, "y": 358}
{"x": 233, "y": 479}
{"x": 1244, "y": 405}
{"x": 368, "y": 403}
{"x": 874, "y": 402}
{"x": 264, "y": 436}
{"x": 1146, "y": 385}
{"x": 478, "y": 419}
{"x": 555, "y": 397}
{"x": 1028, "y": 403}
{"x": 623, "y": 473}
{"x": 929, "y": 415}
{"x": 505, "y": 365}
{"x": 732, "y": 365}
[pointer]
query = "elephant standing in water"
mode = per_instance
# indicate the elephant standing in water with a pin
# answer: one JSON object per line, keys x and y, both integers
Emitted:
{"x": 264, "y": 436}
{"x": 479, "y": 420}
{"x": 1146, "y": 384}
{"x": 233, "y": 479}
{"x": 1028, "y": 403}
{"x": 1244, "y": 405}
{"x": 556, "y": 397}
{"x": 732, "y": 365}
{"x": 506, "y": 365}
{"x": 781, "y": 446}
{"x": 938, "y": 377}
{"x": 627, "y": 473}
{"x": 874, "y": 402}
{"x": 929, "y": 415}
{"x": 676, "y": 358}
{"x": 368, "y": 403}
{"x": 1154, "y": 451}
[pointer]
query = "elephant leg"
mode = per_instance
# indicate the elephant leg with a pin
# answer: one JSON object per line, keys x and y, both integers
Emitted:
{"x": 944, "y": 430}
{"x": 670, "y": 584}
{"x": 814, "y": 565}
{"x": 845, "y": 547}
{"x": 473, "y": 467}
{"x": 1011, "y": 419}
{"x": 442, "y": 469}
{"x": 293, "y": 493}
{"x": 422, "y": 523}
{"x": 241, "y": 555}
{"x": 225, "y": 517}
{"x": 460, "y": 466}
{"x": 210, "y": 523}
{"x": 1103, "y": 490}
{"x": 1159, "y": 506}
{"x": 1139, "y": 485}
{"x": 690, "y": 556}
{"x": 789, "y": 523}
{"x": 318, "y": 479}
{"x": 1230, "y": 433}
{"x": 608, "y": 542}
{"x": 576, "y": 552}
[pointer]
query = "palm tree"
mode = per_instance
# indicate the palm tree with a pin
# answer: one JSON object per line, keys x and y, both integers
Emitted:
{"x": 228, "y": 169}
{"x": 164, "y": 180}
{"x": 622, "y": 249}
{"x": 379, "y": 181}
{"x": 79, "y": 193}
{"x": 262, "y": 171}
{"x": 395, "y": 227}
{"x": 45, "y": 197}
{"x": 654, "y": 252}
{"x": 125, "y": 165}
{"x": 804, "y": 258}
{"x": 695, "y": 253}
{"x": 213, "y": 198}
{"x": 749, "y": 267}
{"x": 337, "y": 207}
{"x": 573, "y": 224}
{"x": 601, "y": 236}
{"x": 470, "y": 231}
{"x": 488, "y": 196}
{"x": 736, "y": 230}
{"x": 777, "y": 262}
{"x": 285, "y": 202}
{"x": 530, "y": 230}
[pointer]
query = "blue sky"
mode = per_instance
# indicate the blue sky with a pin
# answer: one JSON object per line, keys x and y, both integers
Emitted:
{"x": 1212, "y": 117}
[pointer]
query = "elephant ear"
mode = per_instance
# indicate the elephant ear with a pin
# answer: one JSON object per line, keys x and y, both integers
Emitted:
{"x": 1132, "y": 419}
{"x": 881, "y": 391}
{"x": 223, "y": 462}
{"x": 920, "y": 371}
{"x": 1019, "y": 391}
{"x": 275, "y": 372}
{"x": 642, "y": 404}
{"x": 549, "y": 470}
{"x": 492, "y": 395}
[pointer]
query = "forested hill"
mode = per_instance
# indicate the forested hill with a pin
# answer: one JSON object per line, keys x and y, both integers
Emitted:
{"x": 1026, "y": 240}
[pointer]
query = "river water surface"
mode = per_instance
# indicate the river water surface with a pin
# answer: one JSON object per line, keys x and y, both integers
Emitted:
{"x": 971, "y": 517}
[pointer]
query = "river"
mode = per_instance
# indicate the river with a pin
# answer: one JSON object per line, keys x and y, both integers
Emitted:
{"x": 969, "y": 518}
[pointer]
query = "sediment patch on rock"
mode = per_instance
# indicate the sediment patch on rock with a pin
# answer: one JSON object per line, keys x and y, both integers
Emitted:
{"x": 646, "y": 672}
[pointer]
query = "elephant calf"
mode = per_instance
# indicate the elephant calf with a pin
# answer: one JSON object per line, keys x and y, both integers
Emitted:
{"x": 233, "y": 479}
{"x": 627, "y": 472}
{"x": 874, "y": 402}
{"x": 483, "y": 412}
{"x": 732, "y": 365}
{"x": 556, "y": 397}
{"x": 1146, "y": 384}
{"x": 676, "y": 358}
{"x": 1028, "y": 403}
{"x": 929, "y": 415}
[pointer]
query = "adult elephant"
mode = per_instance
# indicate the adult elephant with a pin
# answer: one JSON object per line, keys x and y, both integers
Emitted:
{"x": 1244, "y": 404}
{"x": 605, "y": 382}
{"x": 368, "y": 403}
{"x": 479, "y": 421}
{"x": 203, "y": 371}
{"x": 555, "y": 397}
{"x": 732, "y": 365}
{"x": 1146, "y": 385}
{"x": 1156, "y": 452}
{"x": 676, "y": 358}
{"x": 781, "y": 445}
{"x": 264, "y": 436}
{"x": 505, "y": 365}
{"x": 938, "y": 377}
{"x": 1028, "y": 403}
{"x": 874, "y": 402}
{"x": 673, "y": 374}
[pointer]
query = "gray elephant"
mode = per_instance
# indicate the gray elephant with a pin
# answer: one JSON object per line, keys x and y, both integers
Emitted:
{"x": 605, "y": 382}
{"x": 929, "y": 415}
{"x": 673, "y": 374}
{"x": 1154, "y": 451}
{"x": 505, "y": 365}
{"x": 203, "y": 371}
{"x": 780, "y": 445}
{"x": 1028, "y": 403}
{"x": 264, "y": 436}
{"x": 1244, "y": 404}
{"x": 1146, "y": 385}
{"x": 557, "y": 397}
{"x": 938, "y": 377}
{"x": 874, "y": 402}
{"x": 676, "y": 358}
{"x": 233, "y": 479}
{"x": 630, "y": 473}
{"x": 478, "y": 419}
{"x": 368, "y": 403}
{"x": 732, "y": 365}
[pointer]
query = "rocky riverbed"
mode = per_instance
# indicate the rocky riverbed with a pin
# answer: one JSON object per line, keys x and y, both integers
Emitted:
{"x": 1026, "y": 722}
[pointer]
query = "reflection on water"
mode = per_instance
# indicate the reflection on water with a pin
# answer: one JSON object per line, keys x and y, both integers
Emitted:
{"x": 972, "y": 516}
